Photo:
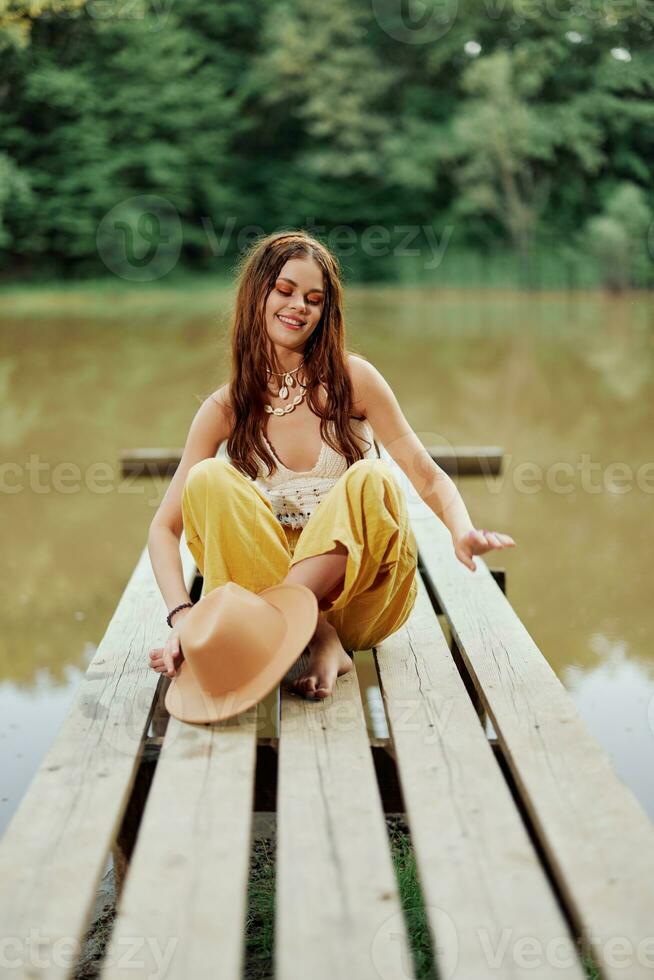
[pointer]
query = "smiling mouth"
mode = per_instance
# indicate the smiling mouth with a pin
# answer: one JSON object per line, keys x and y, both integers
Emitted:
{"x": 290, "y": 323}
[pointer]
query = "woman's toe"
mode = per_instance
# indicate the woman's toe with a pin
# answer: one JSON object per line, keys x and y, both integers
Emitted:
{"x": 311, "y": 686}
{"x": 325, "y": 685}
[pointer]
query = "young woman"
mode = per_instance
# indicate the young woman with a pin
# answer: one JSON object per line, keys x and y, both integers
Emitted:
{"x": 303, "y": 497}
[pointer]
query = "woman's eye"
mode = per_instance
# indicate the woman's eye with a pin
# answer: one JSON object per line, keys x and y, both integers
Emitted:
{"x": 289, "y": 292}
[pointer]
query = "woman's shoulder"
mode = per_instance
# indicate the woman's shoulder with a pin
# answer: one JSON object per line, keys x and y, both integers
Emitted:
{"x": 355, "y": 363}
{"x": 221, "y": 397}
{"x": 358, "y": 369}
{"x": 219, "y": 408}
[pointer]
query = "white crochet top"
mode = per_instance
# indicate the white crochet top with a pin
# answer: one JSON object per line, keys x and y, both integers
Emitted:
{"x": 294, "y": 496}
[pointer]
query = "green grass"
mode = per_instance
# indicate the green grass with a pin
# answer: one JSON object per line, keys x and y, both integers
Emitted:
{"x": 259, "y": 942}
{"x": 411, "y": 900}
{"x": 183, "y": 279}
{"x": 551, "y": 265}
{"x": 259, "y": 954}
{"x": 260, "y": 915}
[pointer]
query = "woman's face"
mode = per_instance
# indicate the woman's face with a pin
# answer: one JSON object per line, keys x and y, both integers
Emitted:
{"x": 295, "y": 304}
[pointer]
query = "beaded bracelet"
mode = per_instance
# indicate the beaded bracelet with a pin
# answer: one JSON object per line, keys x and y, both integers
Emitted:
{"x": 182, "y": 605}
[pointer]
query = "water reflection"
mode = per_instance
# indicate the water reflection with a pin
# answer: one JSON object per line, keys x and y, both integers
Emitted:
{"x": 616, "y": 700}
{"x": 30, "y": 718}
{"x": 563, "y": 381}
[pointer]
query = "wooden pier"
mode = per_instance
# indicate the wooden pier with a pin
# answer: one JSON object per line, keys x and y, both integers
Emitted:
{"x": 530, "y": 850}
{"x": 459, "y": 460}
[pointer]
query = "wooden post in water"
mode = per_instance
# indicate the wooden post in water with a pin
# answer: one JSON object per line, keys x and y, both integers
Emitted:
{"x": 457, "y": 461}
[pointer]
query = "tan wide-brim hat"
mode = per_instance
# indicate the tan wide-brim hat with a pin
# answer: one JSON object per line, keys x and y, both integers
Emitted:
{"x": 237, "y": 646}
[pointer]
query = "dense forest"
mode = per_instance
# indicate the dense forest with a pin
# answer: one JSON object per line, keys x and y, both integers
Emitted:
{"x": 486, "y": 128}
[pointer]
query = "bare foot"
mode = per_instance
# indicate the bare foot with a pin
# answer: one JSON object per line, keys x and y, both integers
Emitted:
{"x": 327, "y": 661}
{"x": 158, "y": 665}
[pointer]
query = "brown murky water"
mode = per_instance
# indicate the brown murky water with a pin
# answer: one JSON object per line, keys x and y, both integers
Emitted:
{"x": 564, "y": 382}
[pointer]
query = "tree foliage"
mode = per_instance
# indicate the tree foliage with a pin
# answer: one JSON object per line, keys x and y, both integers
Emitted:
{"x": 512, "y": 122}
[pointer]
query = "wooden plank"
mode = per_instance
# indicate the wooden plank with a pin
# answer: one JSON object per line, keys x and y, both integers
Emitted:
{"x": 597, "y": 839}
{"x": 458, "y": 460}
{"x": 468, "y": 460}
{"x": 489, "y": 904}
{"x": 182, "y": 913}
{"x": 55, "y": 848}
{"x": 149, "y": 462}
{"x": 338, "y": 913}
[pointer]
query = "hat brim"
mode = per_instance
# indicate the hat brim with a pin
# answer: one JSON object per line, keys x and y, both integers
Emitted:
{"x": 186, "y": 700}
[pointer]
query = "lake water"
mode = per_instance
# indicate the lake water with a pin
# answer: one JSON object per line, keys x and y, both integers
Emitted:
{"x": 563, "y": 381}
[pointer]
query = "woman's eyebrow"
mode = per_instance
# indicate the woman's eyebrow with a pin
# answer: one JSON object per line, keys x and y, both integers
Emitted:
{"x": 286, "y": 279}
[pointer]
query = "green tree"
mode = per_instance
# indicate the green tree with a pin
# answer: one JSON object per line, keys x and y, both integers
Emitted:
{"x": 98, "y": 110}
{"x": 499, "y": 138}
{"x": 618, "y": 237}
{"x": 510, "y": 122}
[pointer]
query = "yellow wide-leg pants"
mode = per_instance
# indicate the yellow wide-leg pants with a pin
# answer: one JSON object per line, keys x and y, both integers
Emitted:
{"x": 233, "y": 534}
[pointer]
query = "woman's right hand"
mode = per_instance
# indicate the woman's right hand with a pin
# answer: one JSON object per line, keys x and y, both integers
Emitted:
{"x": 166, "y": 659}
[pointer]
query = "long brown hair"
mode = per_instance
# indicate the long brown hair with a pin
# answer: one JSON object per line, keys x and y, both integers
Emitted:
{"x": 324, "y": 352}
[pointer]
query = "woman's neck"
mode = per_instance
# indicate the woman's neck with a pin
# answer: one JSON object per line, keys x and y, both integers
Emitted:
{"x": 288, "y": 360}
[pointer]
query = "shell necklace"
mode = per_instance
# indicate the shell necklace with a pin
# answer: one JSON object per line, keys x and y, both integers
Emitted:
{"x": 288, "y": 382}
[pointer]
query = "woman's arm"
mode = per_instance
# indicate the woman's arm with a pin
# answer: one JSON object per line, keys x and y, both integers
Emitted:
{"x": 435, "y": 487}
{"x": 210, "y": 426}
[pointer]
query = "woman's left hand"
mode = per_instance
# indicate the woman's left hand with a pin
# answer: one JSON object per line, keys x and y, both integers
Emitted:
{"x": 478, "y": 543}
